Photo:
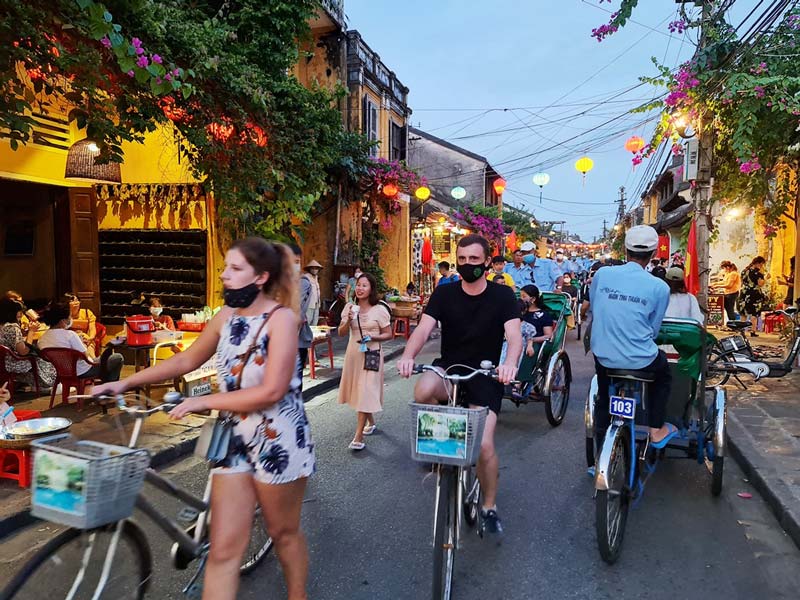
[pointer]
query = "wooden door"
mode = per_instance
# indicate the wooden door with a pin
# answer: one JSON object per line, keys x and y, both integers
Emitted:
{"x": 84, "y": 261}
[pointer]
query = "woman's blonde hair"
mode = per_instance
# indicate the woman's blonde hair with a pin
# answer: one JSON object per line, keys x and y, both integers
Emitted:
{"x": 277, "y": 260}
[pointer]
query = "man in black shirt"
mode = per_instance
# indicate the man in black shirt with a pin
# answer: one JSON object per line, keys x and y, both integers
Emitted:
{"x": 475, "y": 317}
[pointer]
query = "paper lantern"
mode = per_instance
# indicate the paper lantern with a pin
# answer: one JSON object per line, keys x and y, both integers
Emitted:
{"x": 634, "y": 144}
{"x": 499, "y": 186}
{"x": 81, "y": 165}
{"x": 541, "y": 179}
{"x": 422, "y": 193}
{"x": 584, "y": 165}
{"x": 390, "y": 190}
{"x": 458, "y": 192}
{"x": 255, "y": 134}
{"x": 221, "y": 132}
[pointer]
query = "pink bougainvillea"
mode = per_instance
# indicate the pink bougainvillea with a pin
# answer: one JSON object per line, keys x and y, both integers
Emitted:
{"x": 750, "y": 166}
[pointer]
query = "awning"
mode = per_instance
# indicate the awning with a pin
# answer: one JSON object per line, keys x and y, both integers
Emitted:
{"x": 675, "y": 218}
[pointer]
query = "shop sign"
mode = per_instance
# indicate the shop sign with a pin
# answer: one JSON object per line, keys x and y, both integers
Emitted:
{"x": 716, "y": 309}
{"x": 441, "y": 242}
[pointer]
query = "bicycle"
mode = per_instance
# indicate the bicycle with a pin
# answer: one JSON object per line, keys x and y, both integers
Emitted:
{"x": 68, "y": 567}
{"x": 450, "y": 437}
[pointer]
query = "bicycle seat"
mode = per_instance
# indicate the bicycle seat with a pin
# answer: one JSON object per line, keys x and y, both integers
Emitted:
{"x": 740, "y": 325}
{"x": 790, "y": 310}
{"x": 635, "y": 374}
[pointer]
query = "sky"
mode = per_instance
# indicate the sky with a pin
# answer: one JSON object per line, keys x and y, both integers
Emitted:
{"x": 516, "y": 80}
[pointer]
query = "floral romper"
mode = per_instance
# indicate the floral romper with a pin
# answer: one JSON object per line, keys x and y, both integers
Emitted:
{"x": 274, "y": 443}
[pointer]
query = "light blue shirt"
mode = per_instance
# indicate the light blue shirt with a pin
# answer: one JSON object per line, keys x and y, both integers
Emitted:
{"x": 565, "y": 266}
{"x": 545, "y": 274}
{"x": 522, "y": 275}
{"x": 628, "y": 305}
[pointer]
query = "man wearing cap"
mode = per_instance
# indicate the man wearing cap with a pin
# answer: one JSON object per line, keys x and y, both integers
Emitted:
{"x": 315, "y": 302}
{"x": 628, "y": 305}
{"x": 564, "y": 265}
{"x": 546, "y": 275}
{"x": 521, "y": 273}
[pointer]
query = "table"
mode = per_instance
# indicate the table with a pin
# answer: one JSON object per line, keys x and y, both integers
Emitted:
{"x": 322, "y": 334}
{"x": 139, "y": 365}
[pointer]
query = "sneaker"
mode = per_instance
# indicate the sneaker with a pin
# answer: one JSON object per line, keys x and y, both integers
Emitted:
{"x": 490, "y": 524}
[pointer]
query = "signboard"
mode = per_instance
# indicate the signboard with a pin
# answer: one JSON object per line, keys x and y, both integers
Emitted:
{"x": 441, "y": 242}
{"x": 200, "y": 381}
{"x": 691, "y": 160}
{"x": 716, "y": 310}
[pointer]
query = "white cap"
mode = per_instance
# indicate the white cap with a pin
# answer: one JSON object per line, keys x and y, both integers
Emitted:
{"x": 641, "y": 238}
{"x": 527, "y": 246}
{"x": 559, "y": 251}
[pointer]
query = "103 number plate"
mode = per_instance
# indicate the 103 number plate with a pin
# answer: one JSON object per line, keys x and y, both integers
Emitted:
{"x": 622, "y": 407}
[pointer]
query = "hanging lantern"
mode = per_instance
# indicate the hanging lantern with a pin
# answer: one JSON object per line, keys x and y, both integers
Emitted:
{"x": 584, "y": 165}
{"x": 499, "y": 186}
{"x": 221, "y": 132}
{"x": 390, "y": 190}
{"x": 458, "y": 192}
{"x": 172, "y": 112}
{"x": 541, "y": 179}
{"x": 634, "y": 144}
{"x": 422, "y": 193}
{"x": 254, "y": 134}
{"x": 81, "y": 165}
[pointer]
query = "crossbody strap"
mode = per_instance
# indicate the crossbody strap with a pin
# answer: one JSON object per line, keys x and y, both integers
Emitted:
{"x": 246, "y": 356}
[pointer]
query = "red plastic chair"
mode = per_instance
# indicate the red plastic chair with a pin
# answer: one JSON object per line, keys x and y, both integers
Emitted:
{"x": 65, "y": 360}
{"x": 16, "y": 463}
{"x": 99, "y": 337}
{"x": 10, "y": 377}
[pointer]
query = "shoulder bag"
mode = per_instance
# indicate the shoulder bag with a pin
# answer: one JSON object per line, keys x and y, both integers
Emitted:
{"x": 372, "y": 358}
{"x": 216, "y": 433}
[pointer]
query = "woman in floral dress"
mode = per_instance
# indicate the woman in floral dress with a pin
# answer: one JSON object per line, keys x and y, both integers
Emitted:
{"x": 752, "y": 299}
{"x": 271, "y": 454}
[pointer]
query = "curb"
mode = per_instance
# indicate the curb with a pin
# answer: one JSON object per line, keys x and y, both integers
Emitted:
{"x": 14, "y": 522}
{"x": 765, "y": 479}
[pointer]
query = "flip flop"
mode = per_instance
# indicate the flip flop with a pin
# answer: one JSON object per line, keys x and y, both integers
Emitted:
{"x": 369, "y": 429}
{"x": 673, "y": 431}
{"x": 356, "y": 445}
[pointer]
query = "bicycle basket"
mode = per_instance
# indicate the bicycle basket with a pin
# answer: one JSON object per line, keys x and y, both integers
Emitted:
{"x": 448, "y": 435}
{"x": 85, "y": 484}
{"x": 733, "y": 343}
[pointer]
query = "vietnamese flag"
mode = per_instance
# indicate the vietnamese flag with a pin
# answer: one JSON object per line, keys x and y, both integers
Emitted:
{"x": 692, "y": 275}
{"x": 511, "y": 241}
{"x": 663, "y": 246}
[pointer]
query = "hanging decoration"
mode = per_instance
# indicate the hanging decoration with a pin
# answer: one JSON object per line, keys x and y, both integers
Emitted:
{"x": 499, "y": 186}
{"x": 422, "y": 193}
{"x": 541, "y": 179}
{"x": 634, "y": 144}
{"x": 584, "y": 165}
{"x": 390, "y": 190}
{"x": 458, "y": 192}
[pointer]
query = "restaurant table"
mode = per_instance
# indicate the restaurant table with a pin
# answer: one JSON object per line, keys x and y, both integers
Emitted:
{"x": 138, "y": 364}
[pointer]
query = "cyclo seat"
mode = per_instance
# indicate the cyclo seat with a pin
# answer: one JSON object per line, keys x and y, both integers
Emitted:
{"x": 740, "y": 325}
{"x": 635, "y": 374}
{"x": 790, "y": 310}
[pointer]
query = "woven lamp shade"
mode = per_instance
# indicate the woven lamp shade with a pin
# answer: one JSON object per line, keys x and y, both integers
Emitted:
{"x": 81, "y": 165}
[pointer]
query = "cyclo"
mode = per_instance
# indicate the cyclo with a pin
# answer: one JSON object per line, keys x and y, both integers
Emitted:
{"x": 547, "y": 375}
{"x": 626, "y": 461}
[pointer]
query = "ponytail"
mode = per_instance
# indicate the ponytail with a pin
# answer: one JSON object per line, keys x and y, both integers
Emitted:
{"x": 286, "y": 289}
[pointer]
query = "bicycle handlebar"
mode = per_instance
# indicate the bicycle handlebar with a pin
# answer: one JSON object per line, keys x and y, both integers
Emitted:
{"x": 487, "y": 368}
{"x": 171, "y": 400}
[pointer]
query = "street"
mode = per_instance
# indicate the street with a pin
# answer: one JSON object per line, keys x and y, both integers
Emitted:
{"x": 368, "y": 520}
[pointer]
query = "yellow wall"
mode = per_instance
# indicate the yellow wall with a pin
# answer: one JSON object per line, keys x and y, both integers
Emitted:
{"x": 317, "y": 69}
{"x": 396, "y": 252}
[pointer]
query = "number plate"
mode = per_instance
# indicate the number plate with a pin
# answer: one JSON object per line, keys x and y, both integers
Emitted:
{"x": 622, "y": 407}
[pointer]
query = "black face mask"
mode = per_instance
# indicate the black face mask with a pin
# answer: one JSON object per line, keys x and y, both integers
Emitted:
{"x": 471, "y": 273}
{"x": 242, "y": 297}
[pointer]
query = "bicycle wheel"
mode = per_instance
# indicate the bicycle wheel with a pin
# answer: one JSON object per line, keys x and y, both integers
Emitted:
{"x": 716, "y": 376}
{"x": 555, "y": 403}
{"x": 444, "y": 537}
{"x": 472, "y": 495}
{"x": 611, "y": 505}
{"x": 259, "y": 546}
{"x": 58, "y": 566}
{"x": 589, "y": 451}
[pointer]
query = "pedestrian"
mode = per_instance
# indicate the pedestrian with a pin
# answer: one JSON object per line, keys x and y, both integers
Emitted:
{"x": 271, "y": 454}
{"x": 731, "y": 284}
{"x": 546, "y": 274}
{"x": 788, "y": 281}
{"x": 752, "y": 299}
{"x": 444, "y": 274}
{"x": 521, "y": 273}
{"x": 368, "y": 322}
{"x": 315, "y": 302}
{"x": 652, "y": 265}
{"x": 498, "y": 270}
{"x": 682, "y": 304}
{"x": 350, "y": 291}
{"x": 562, "y": 264}
{"x": 306, "y": 335}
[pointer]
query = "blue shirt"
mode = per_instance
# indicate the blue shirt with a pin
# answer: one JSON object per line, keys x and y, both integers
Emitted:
{"x": 628, "y": 305}
{"x": 565, "y": 266}
{"x": 522, "y": 275}
{"x": 545, "y": 274}
{"x": 449, "y": 279}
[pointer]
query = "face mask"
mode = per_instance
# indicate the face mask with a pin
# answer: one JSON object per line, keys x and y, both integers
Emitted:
{"x": 560, "y": 257}
{"x": 242, "y": 297}
{"x": 529, "y": 259}
{"x": 471, "y": 273}
{"x": 156, "y": 311}
{"x": 296, "y": 267}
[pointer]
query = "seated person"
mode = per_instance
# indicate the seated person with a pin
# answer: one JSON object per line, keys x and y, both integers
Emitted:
{"x": 84, "y": 323}
{"x": 28, "y": 314}
{"x": 536, "y": 324}
{"x": 11, "y": 336}
{"x": 568, "y": 287}
{"x": 161, "y": 321}
{"x": 498, "y": 269}
{"x": 57, "y": 317}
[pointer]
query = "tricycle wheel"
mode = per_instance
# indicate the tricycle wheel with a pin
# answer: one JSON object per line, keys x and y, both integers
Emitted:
{"x": 589, "y": 451}
{"x": 717, "y": 466}
{"x": 611, "y": 505}
{"x": 557, "y": 397}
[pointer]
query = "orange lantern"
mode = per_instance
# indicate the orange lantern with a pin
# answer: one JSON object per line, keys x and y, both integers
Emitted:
{"x": 634, "y": 144}
{"x": 221, "y": 132}
{"x": 172, "y": 112}
{"x": 499, "y": 186}
{"x": 390, "y": 190}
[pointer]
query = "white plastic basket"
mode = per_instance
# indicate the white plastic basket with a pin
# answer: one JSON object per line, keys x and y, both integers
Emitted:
{"x": 85, "y": 484}
{"x": 448, "y": 435}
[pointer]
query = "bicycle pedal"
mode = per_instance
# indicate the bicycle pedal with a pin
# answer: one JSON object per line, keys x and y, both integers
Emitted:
{"x": 187, "y": 515}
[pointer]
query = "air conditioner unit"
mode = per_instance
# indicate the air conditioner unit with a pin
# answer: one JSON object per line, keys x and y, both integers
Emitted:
{"x": 691, "y": 161}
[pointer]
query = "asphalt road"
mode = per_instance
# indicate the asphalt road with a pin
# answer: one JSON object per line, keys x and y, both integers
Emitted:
{"x": 368, "y": 519}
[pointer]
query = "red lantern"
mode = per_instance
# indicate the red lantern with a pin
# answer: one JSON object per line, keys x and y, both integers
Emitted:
{"x": 172, "y": 112}
{"x": 390, "y": 190}
{"x": 255, "y": 134}
{"x": 221, "y": 132}
{"x": 634, "y": 144}
{"x": 499, "y": 186}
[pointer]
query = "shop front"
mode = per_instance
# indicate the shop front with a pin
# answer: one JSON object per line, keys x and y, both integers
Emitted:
{"x": 434, "y": 238}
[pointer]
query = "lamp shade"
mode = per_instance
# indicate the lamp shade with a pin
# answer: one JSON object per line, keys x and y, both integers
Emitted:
{"x": 81, "y": 164}
{"x": 422, "y": 193}
{"x": 634, "y": 144}
{"x": 499, "y": 186}
{"x": 584, "y": 164}
{"x": 390, "y": 190}
{"x": 458, "y": 192}
{"x": 541, "y": 179}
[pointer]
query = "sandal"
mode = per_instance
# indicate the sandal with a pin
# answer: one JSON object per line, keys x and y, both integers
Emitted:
{"x": 354, "y": 445}
{"x": 369, "y": 429}
{"x": 673, "y": 431}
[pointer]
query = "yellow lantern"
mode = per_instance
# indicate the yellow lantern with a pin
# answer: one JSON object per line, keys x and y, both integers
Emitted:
{"x": 422, "y": 193}
{"x": 584, "y": 165}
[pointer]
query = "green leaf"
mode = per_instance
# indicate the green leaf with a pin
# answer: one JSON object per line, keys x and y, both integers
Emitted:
{"x": 83, "y": 4}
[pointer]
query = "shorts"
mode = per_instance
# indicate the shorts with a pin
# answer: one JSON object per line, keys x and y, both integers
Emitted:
{"x": 480, "y": 391}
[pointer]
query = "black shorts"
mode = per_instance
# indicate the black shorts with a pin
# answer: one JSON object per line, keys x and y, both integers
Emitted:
{"x": 479, "y": 391}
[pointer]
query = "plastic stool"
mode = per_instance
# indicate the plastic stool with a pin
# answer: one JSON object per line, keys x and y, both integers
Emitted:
{"x": 405, "y": 330}
{"x": 771, "y": 322}
{"x": 15, "y": 463}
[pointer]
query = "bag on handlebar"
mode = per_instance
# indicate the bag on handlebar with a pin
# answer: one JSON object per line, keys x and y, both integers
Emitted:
{"x": 216, "y": 433}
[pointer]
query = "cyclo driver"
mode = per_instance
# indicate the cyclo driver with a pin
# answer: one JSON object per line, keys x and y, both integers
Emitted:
{"x": 628, "y": 305}
{"x": 475, "y": 315}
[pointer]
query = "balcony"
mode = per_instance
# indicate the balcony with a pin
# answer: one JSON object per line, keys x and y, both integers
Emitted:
{"x": 331, "y": 17}
{"x": 363, "y": 62}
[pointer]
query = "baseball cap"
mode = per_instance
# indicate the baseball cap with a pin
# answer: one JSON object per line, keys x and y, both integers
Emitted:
{"x": 641, "y": 238}
{"x": 675, "y": 274}
{"x": 559, "y": 251}
{"x": 527, "y": 246}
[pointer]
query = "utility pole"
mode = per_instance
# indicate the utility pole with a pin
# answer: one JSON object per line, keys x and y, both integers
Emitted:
{"x": 621, "y": 207}
{"x": 605, "y": 230}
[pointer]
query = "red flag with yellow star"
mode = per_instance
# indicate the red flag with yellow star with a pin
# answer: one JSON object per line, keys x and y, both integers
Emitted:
{"x": 663, "y": 246}
{"x": 692, "y": 275}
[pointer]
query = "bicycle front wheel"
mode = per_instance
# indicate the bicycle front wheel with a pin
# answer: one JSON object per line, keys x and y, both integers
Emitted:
{"x": 472, "y": 495}
{"x": 260, "y": 544}
{"x": 611, "y": 505}
{"x": 444, "y": 536}
{"x": 72, "y": 563}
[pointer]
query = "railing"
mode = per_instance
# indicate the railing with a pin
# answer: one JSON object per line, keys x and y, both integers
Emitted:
{"x": 335, "y": 9}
